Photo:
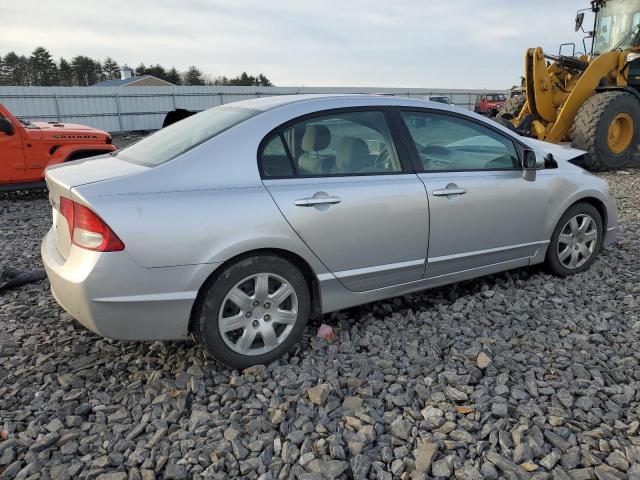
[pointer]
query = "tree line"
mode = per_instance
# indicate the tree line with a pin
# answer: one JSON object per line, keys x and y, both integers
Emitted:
{"x": 40, "y": 69}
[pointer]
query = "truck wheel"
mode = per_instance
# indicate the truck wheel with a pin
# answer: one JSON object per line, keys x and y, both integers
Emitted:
{"x": 511, "y": 108}
{"x": 607, "y": 126}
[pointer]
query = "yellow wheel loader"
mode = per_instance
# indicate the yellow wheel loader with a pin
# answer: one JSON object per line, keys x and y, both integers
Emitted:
{"x": 591, "y": 100}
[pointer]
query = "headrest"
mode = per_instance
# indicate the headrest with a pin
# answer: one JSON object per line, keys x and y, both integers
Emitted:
{"x": 352, "y": 155}
{"x": 315, "y": 138}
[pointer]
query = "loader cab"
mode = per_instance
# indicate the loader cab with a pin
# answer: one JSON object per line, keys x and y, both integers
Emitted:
{"x": 617, "y": 25}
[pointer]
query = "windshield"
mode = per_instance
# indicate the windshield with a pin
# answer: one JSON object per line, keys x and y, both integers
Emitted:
{"x": 497, "y": 97}
{"x": 615, "y": 20}
{"x": 176, "y": 139}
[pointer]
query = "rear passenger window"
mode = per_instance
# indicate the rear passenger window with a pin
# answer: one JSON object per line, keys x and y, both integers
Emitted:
{"x": 274, "y": 159}
{"x": 350, "y": 143}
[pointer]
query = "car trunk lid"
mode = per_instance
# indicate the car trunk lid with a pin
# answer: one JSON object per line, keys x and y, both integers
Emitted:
{"x": 62, "y": 179}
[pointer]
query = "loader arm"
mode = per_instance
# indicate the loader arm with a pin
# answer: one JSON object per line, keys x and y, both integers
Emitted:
{"x": 600, "y": 68}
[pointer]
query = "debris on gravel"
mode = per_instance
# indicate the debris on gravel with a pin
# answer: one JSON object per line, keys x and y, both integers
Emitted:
{"x": 520, "y": 375}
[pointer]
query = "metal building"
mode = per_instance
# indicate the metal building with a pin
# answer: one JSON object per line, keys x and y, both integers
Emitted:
{"x": 116, "y": 109}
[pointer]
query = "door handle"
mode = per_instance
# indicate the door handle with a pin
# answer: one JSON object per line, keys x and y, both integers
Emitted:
{"x": 313, "y": 201}
{"x": 448, "y": 191}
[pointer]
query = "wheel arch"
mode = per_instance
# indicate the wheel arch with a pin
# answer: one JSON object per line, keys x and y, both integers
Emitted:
{"x": 619, "y": 88}
{"x": 312, "y": 280}
{"x": 66, "y": 153}
{"x": 598, "y": 205}
{"x": 590, "y": 199}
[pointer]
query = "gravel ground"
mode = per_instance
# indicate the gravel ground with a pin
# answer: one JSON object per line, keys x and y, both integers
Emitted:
{"x": 518, "y": 375}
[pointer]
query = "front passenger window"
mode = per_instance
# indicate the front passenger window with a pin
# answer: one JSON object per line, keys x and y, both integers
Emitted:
{"x": 449, "y": 143}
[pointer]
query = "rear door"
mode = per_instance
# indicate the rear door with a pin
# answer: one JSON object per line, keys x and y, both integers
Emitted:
{"x": 483, "y": 210}
{"x": 350, "y": 195}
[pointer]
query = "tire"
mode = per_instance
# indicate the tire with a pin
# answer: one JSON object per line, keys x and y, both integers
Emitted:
{"x": 512, "y": 107}
{"x": 215, "y": 308}
{"x": 555, "y": 261}
{"x": 590, "y": 129}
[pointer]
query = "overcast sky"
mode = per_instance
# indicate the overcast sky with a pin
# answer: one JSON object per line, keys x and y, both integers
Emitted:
{"x": 410, "y": 43}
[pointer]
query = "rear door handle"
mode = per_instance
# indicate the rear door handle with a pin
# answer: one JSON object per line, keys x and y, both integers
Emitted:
{"x": 313, "y": 201}
{"x": 448, "y": 191}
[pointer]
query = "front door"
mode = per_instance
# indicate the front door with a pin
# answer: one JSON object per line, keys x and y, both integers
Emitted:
{"x": 482, "y": 210}
{"x": 12, "y": 165}
{"x": 341, "y": 185}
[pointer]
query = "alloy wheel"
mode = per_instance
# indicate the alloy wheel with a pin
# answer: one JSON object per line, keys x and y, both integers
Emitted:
{"x": 258, "y": 314}
{"x": 577, "y": 241}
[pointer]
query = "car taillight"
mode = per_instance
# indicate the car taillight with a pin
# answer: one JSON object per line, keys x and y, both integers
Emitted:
{"x": 87, "y": 230}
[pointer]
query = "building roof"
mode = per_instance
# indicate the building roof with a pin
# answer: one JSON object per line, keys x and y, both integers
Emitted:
{"x": 129, "y": 81}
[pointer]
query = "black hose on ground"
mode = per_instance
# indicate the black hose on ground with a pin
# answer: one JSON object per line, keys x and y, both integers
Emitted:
{"x": 12, "y": 278}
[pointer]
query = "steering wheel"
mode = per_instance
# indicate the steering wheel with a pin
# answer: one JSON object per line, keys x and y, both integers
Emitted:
{"x": 383, "y": 160}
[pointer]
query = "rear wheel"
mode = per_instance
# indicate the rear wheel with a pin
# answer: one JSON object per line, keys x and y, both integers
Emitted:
{"x": 608, "y": 127}
{"x": 253, "y": 311}
{"x": 576, "y": 240}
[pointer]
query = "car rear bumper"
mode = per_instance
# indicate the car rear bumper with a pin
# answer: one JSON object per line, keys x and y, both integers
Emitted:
{"x": 111, "y": 295}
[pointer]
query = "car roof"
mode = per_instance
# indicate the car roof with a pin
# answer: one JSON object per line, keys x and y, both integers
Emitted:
{"x": 332, "y": 101}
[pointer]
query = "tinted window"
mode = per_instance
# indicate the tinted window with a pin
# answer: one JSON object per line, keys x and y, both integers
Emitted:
{"x": 342, "y": 143}
{"x": 274, "y": 159}
{"x": 446, "y": 142}
{"x": 176, "y": 139}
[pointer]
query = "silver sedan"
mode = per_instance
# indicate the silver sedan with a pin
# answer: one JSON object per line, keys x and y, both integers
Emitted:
{"x": 242, "y": 222}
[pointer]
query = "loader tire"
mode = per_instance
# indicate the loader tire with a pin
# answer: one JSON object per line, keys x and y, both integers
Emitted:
{"x": 511, "y": 108}
{"x": 607, "y": 126}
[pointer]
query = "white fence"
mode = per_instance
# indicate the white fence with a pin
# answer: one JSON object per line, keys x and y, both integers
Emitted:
{"x": 119, "y": 109}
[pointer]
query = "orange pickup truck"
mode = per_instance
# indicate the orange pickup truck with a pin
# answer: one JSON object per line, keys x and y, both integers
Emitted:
{"x": 27, "y": 148}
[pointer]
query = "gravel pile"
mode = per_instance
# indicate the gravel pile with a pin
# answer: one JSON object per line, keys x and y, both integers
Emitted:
{"x": 519, "y": 375}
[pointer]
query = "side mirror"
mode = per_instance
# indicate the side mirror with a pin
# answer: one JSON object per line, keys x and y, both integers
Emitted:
{"x": 529, "y": 160}
{"x": 6, "y": 126}
{"x": 579, "y": 20}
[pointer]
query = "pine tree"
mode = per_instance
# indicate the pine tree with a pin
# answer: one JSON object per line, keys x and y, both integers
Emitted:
{"x": 65, "y": 74}
{"x": 140, "y": 70}
{"x": 110, "y": 69}
{"x": 193, "y": 76}
{"x": 173, "y": 76}
{"x": 43, "y": 70}
{"x": 263, "y": 81}
{"x": 16, "y": 69}
{"x": 157, "y": 71}
{"x": 86, "y": 71}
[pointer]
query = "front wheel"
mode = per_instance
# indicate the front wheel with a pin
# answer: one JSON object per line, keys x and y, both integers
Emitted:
{"x": 253, "y": 311}
{"x": 607, "y": 126}
{"x": 576, "y": 240}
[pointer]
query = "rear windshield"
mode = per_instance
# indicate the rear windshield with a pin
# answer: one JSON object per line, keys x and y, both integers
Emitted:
{"x": 176, "y": 139}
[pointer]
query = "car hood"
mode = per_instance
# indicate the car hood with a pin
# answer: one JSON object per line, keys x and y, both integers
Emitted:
{"x": 561, "y": 153}
{"x": 70, "y": 132}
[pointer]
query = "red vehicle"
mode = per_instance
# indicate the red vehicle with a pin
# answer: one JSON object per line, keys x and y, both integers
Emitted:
{"x": 27, "y": 148}
{"x": 489, "y": 104}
